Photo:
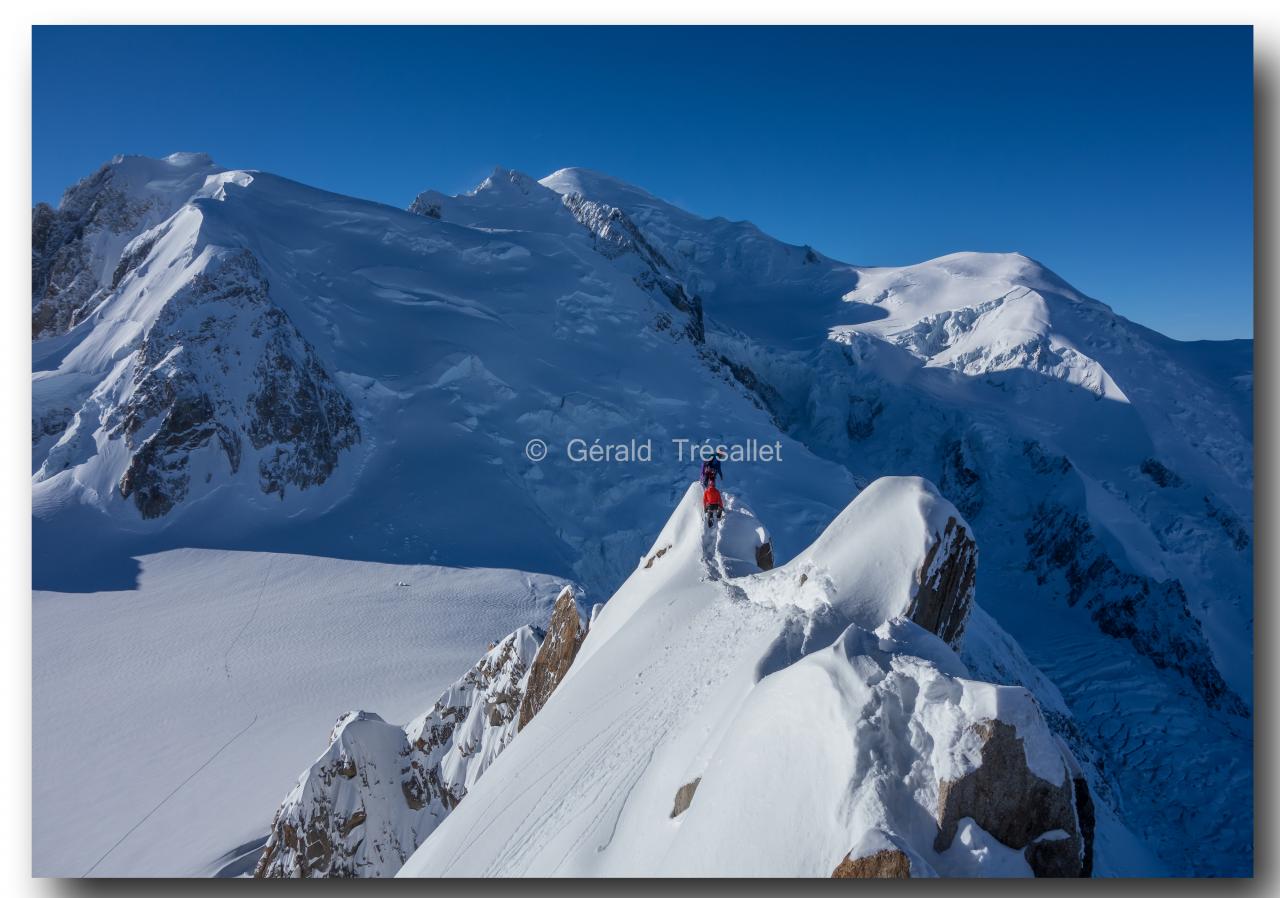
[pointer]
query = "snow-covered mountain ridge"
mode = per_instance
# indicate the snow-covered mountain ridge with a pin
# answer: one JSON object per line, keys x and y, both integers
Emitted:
{"x": 691, "y": 683}
{"x": 378, "y": 791}
{"x": 235, "y": 360}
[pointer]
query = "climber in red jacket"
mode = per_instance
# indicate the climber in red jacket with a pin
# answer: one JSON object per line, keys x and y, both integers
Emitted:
{"x": 711, "y": 504}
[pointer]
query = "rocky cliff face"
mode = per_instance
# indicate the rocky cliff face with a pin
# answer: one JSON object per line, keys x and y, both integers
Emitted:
{"x": 618, "y": 238}
{"x": 220, "y": 376}
{"x": 564, "y": 637}
{"x": 378, "y": 790}
{"x": 66, "y": 265}
{"x": 1064, "y": 553}
{"x": 75, "y": 248}
{"x": 945, "y": 584}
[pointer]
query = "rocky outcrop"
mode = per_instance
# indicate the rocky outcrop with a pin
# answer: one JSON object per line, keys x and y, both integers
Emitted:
{"x": 1230, "y": 523}
{"x": 1152, "y": 615}
{"x": 617, "y": 237}
{"x": 945, "y": 583}
{"x": 1017, "y": 806}
{"x": 1160, "y": 475}
{"x": 648, "y": 562}
{"x": 763, "y": 394}
{"x": 764, "y": 556}
{"x": 340, "y": 820}
{"x": 684, "y": 797}
{"x": 379, "y": 790}
{"x": 960, "y": 481}
{"x": 1087, "y": 816}
{"x": 50, "y": 422}
{"x": 888, "y": 863}
{"x": 66, "y": 257}
{"x": 221, "y": 367}
{"x": 76, "y": 248}
{"x": 564, "y": 637}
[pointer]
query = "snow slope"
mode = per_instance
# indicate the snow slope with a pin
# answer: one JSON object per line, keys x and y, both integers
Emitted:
{"x": 853, "y": 715}
{"x": 170, "y": 719}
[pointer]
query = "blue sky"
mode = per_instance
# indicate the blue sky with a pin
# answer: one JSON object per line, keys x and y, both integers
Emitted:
{"x": 1120, "y": 157}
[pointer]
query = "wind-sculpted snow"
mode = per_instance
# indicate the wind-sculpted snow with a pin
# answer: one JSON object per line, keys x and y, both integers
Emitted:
{"x": 877, "y": 735}
{"x": 779, "y": 735}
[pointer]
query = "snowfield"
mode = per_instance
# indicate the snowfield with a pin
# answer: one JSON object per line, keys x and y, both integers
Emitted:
{"x": 171, "y": 718}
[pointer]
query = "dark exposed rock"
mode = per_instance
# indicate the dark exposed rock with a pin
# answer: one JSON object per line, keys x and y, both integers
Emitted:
{"x": 960, "y": 481}
{"x": 655, "y": 556}
{"x": 1231, "y": 525}
{"x": 684, "y": 797}
{"x": 1021, "y": 810}
{"x": 51, "y": 422}
{"x": 888, "y": 863}
{"x": 1159, "y": 474}
{"x": 352, "y": 822}
{"x": 1055, "y": 856}
{"x": 1043, "y": 462}
{"x": 564, "y": 637}
{"x": 316, "y": 843}
{"x": 1087, "y": 818}
{"x": 157, "y": 476}
{"x": 945, "y": 583}
{"x": 184, "y": 392}
{"x": 298, "y": 413}
{"x": 764, "y": 556}
{"x": 616, "y": 235}
{"x": 1151, "y": 614}
{"x": 860, "y": 422}
{"x": 133, "y": 257}
{"x": 64, "y": 279}
{"x": 760, "y": 392}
